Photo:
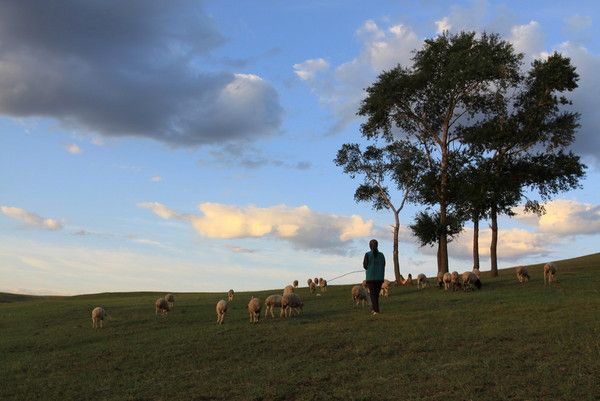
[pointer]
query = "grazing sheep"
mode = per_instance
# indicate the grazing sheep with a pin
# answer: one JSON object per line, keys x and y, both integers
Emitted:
{"x": 254, "y": 310}
{"x": 290, "y": 302}
{"x": 230, "y": 295}
{"x": 161, "y": 305}
{"x": 323, "y": 285}
{"x": 447, "y": 278}
{"x": 295, "y": 283}
{"x": 522, "y": 274}
{"x": 288, "y": 289}
{"x": 359, "y": 293}
{"x": 469, "y": 280}
{"x": 221, "y": 308}
{"x": 170, "y": 300}
{"x": 98, "y": 314}
{"x": 421, "y": 281}
{"x": 408, "y": 280}
{"x": 312, "y": 287}
{"x": 308, "y": 282}
{"x": 271, "y": 302}
{"x": 439, "y": 279}
{"x": 477, "y": 272}
{"x": 549, "y": 273}
{"x": 455, "y": 280}
{"x": 385, "y": 288}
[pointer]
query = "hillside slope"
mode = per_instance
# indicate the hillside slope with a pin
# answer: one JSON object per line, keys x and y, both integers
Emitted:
{"x": 506, "y": 342}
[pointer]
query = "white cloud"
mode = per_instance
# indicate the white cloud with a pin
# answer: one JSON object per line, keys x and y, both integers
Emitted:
{"x": 341, "y": 89}
{"x": 443, "y": 25}
{"x": 565, "y": 218}
{"x": 528, "y": 39}
{"x": 74, "y": 149}
{"x": 309, "y": 68}
{"x": 302, "y": 227}
{"x": 31, "y": 219}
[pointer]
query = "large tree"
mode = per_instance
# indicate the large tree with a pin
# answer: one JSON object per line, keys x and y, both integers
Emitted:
{"x": 390, "y": 176}
{"x": 522, "y": 143}
{"x": 452, "y": 80}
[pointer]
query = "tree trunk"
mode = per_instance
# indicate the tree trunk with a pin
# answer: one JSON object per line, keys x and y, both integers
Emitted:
{"x": 443, "y": 254}
{"x": 443, "y": 240}
{"x": 395, "y": 254}
{"x": 476, "y": 242}
{"x": 494, "y": 244}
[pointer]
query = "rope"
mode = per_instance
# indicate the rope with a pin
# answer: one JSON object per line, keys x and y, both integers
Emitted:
{"x": 345, "y": 274}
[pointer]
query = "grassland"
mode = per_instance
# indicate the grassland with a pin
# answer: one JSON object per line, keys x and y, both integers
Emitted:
{"x": 505, "y": 342}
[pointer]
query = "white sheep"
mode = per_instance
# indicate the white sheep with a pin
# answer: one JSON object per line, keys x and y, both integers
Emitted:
{"x": 254, "y": 310}
{"x": 313, "y": 287}
{"x": 170, "y": 298}
{"x": 455, "y": 280}
{"x": 221, "y": 308}
{"x": 161, "y": 305}
{"x": 447, "y": 279}
{"x": 288, "y": 289}
{"x": 290, "y": 302}
{"x": 522, "y": 274}
{"x": 295, "y": 283}
{"x": 98, "y": 315}
{"x": 230, "y": 295}
{"x": 323, "y": 285}
{"x": 385, "y": 288}
{"x": 439, "y": 279}
{"x": 316, "y": 280}
{"x": 359, "y": 293}
{"x": 469, "y": 280}
{"x": 308, "y": 282}
{"x": 549, "y": 273}
{"x": 271, "y": 302}
{"x": 477, "y": 272}
{"x": 421, "y": 281}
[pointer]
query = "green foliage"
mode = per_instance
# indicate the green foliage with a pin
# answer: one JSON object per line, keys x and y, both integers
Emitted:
{"x": 428, "y": 229}
{"x": 507, "y": 341}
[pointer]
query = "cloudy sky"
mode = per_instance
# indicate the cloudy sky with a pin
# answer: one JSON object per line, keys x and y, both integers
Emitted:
{"x": 188, "y": 145}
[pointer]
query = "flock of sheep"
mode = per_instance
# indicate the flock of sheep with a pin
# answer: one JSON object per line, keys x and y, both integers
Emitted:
{"x": 290, "y": 302}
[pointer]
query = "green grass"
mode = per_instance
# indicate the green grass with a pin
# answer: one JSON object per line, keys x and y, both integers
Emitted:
{"x": 506, "y": 342}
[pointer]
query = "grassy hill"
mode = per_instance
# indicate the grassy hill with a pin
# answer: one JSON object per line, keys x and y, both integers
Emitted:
{"x": 506, "y": 342}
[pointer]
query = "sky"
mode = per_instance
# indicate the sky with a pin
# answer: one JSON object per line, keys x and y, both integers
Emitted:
{"x": 189, "y": 145}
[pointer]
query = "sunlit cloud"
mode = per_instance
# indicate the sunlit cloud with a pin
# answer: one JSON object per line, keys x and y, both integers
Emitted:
{"x": 565, "y": 218}
{"x": 73, "y": 149}
{"x": 31, "y": 219}
{"x": 163, "y": 211}
{"x": 443, "y": 25}
{"x": 302, "y": 227}
{"x": 309, "y": 68}
{"x": 513, "y": 244}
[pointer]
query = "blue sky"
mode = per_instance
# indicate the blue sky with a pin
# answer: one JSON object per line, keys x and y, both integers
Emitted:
{"x": 188, "y": 145}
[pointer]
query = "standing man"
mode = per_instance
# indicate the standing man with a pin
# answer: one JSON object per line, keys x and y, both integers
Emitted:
{"x": 374, "y": 264}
